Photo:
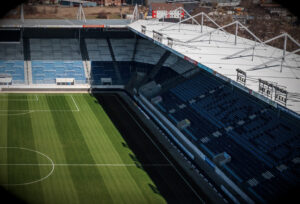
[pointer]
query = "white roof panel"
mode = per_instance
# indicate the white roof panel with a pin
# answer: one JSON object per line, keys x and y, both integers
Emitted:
{"x": 211, "y": 52}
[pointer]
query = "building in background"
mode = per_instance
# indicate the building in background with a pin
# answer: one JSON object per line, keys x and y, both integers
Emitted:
{"x": 167, "y": 10}
{"x": 222, "y": 3}
{"x": 77, "y": 2}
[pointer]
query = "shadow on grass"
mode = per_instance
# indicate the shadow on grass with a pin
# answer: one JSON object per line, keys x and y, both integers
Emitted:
{"x": 167, "y": 182}
{"x": 8, "y": 197}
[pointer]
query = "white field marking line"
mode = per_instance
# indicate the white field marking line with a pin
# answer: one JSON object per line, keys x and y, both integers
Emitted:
{"x": 32, "y": 111}
{"x": 6, "y": 114}
{"x": 97, "y": 165}
{"x": 39, "y": 110}
{"x": 35, "y": 181}
{"x": 194, "y": 191}
{"x": 36, "y": 99}
{"x": 75, "y": 103}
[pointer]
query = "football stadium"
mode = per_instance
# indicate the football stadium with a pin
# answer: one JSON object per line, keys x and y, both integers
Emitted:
{"x": 146, "y": 111}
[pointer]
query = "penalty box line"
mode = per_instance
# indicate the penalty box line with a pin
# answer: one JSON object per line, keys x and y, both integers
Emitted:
{"x": 57, "y": 110}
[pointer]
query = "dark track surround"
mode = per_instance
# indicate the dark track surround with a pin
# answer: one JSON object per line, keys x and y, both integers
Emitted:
{"x": 169, "y": 183}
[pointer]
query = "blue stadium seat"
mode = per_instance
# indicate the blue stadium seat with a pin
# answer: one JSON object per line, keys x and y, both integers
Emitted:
{"x": 46, "y": 72}
{"x": 101, "y": 69}
{"x": 257, "y": 139}
{"x": 13, "y": 68}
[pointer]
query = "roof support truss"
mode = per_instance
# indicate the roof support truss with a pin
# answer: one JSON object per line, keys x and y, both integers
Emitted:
{"x": 193, "y": 18}
{"x": 236, "y": 23}
{"x": 22, "y": 13}
{"x": 285, "y": 36}
{"x": 80, "y": 13}
{"x": 264, "y": 65}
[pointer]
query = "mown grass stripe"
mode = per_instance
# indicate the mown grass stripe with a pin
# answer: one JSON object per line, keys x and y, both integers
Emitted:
{"x": 58, "y": 187}
{"x": 3, "y": 138}
{"x": 20, "y": 134}
{"x": 76, "y": 151}
{"x": 119, "y": 145}
{"x": 117, "y": 180}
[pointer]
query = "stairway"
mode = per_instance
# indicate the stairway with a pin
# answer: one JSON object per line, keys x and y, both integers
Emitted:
{"x": 28, "y": 72}
{"x": 27, "y": 61}
{"x": 87, "y": 70}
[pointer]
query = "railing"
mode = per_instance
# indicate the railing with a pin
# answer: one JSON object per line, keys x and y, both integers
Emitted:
{"x": 50, "y": 81}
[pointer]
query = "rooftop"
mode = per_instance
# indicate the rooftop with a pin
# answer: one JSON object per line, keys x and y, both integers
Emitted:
{"x": 221, "y": 53}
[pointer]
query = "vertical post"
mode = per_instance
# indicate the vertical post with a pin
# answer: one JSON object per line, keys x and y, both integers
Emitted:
{"x": 22, "y": 13}
{"x": 202, "y": 22}
{"x": 209, "y": 37}
{"x": 236, "y": 32}
{"x": 284, "y": 51}
{"x": 253, "y": 50}
{"x": 83, "y": 15}
{"x": 179, "y": 20}
{"x": 79, "y": 13}
{"x": 21, "y": 37}
{"x": 79, "y": 38}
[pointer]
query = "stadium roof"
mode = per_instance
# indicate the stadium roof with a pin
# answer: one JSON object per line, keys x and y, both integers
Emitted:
{"x": 67, "y": 23}
{"x": 216, "y": 51}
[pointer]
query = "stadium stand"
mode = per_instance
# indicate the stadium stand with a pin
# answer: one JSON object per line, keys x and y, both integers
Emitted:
{"x": 12, "y": 62}
{"x": 56, "y": 58}
{"x": 125, "y": 70}
{"x": 177, "y": 64}
{"x": 123, "y": 49}
{"x": 11, "y": 52}
{"x": 98, "y": 50}
{"x": 13, "y": 69}
{"x": 103, "y": 69}
{"x": 46, "y": 72}
{"x": 102, "y": 66}
{"x": 102, "y": 63}
{"x": 147, "y": 52}
{"x": 55, "y": 49}
{"x": 262, "y": 144}
{"x": 165, "y": 73}
{"x": 143, "y": 67}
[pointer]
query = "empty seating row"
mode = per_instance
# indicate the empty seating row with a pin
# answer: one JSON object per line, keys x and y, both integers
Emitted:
{"x": 98, "y": 49}
{"x": 147, "y": 52}
{"x": 46, "y": 72}
{"x": 223, "y": 119}
{"x": 100, "y": 69}
{"x": 123, "y": 49}
{"x": 195, "y": 87}
{"x": 13, "y": 69}
{"x": 55, "y": 49}
{"x": 11, "y": 52}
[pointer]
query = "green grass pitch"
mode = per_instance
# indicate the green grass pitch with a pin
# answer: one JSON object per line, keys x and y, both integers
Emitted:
{"x": 63, "y": 148}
